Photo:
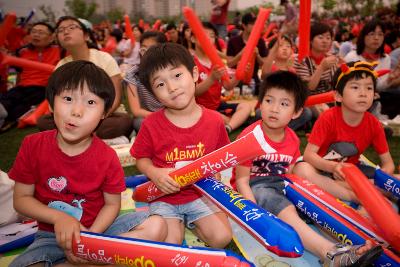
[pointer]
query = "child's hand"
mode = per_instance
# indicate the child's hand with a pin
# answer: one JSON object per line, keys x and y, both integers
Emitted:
{"x": 164, "y": 182}
{"x": 337, "y": 172}
{"x": 74, "y": 259}
{"x": 65, "y": 228}
{"x": 217, "y": 73}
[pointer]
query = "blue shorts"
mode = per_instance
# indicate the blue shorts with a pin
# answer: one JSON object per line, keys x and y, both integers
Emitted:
{"x": 187, "y": 213}
{"x": 227, "y": 108}
{"x": 45, "y": 248}
{"x": 268, "y": 192}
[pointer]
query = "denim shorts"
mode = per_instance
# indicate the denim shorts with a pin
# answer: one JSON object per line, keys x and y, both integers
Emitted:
{"x": 187, "y": 213}
{"x": 268, "y": 192}
{"x": 45, "y": 248}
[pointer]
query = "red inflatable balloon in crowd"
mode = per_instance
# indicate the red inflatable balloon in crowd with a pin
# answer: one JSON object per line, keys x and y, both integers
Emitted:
{"x": 208, "y": 48}
{"x": 327, "y": 97}
{"x": 304, "y": 29}
{"x": 30, "y": 118}
{"x": 128, "y": 30}
{"x": 6, "y": 27}
{"x": 255, "y": 34}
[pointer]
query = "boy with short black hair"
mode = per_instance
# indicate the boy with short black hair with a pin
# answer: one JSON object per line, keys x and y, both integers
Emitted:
{"x": 282, "y": 97}
{"x": 344, "y": 132}
{"x": 182, "y": 131}
{"x": 74, "y": 180}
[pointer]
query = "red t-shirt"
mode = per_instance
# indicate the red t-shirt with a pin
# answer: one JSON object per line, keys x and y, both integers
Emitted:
{"x": 332, "y": 135}
{"x": 275, "y": 164}
{"x": 219, "y": 13}
{"x": 72, "y": 184}
{"x": 31, "y": 76}
{"x": 165, "y": 144}
{"x": 212, "y": 97}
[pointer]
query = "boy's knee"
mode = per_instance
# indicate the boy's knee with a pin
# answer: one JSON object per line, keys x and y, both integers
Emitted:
{"x": 302, "y": 168}
{"x": 156, "y": 228}
{"x": 220, "y": 240}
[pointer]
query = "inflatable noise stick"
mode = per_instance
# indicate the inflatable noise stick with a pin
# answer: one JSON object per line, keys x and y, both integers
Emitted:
{"x": 128, "y": 29}
{"x": 208, "y": 48}
{"x": 25, "y": 63}
{"x": 249, "y": 146}
{"x": 274, "y": 234}
{"x": 30, "y": 118}
{"x": 135, "y": 252}
{"x": 6, "y": 26}
{"x": 376, "y": 205}
{"x": 334, "y": 224}
{"x": 327, "y": 97}
{"x": 248, "y": 51}
{"x": 337, "y": 206}
{"x": 387, "y": 182}
{"x": 156, "y": 25}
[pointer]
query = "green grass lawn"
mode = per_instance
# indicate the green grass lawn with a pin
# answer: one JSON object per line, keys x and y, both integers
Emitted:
{"x": 11, "y": 140}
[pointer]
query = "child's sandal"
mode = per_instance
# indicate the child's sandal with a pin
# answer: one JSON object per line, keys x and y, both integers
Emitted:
{"x": 346, "y": 256}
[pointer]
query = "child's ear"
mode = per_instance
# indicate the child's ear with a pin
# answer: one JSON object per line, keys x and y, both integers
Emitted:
{"x": 195, "y": 73}
{"x": 297, "y": 114}
{"x": 338, "y": 97}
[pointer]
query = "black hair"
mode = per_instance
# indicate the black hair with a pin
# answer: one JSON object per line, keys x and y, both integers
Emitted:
{"x": 284, "y": 36}
{"x": 171, "y": 26}
{"x": 210, "y": 26}
{"x": 162, "y": 56}
{"x": 356, "y": 75}
{"x": 318, "y": 28}
{"x": 159, "y": 37}
{"x": 74, "y": 75}
{"x": 117, "y": 33}
{"x": 49, "y": 27}
{"x": 287, "y": 81}
{"x": 370, "y": 27}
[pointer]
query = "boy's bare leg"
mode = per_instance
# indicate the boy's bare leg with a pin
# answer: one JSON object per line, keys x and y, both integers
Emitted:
{"x": 243, "y": 111}
{"x": 307, "y": 171}
{"x": 153, "y": 228}
{"x": 312, "y": 241}
{"x": 214, "y": 230}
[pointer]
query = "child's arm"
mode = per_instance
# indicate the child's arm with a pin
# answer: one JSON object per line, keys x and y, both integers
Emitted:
{"x": 311, "y": 156}
{"x": 134, "y": 103}
{"x": 159, "y": 176}
{"x": 242, "y": 182}
{"x": 387, "y": 163}
{"x": 107, "y": 214}
{"x": 65, "y": 226}
{"x": 216, "y": 74}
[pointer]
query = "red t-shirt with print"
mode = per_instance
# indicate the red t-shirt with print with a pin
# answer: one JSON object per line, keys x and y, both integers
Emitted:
{"x": 212, "y": 97}
{"x": 330, "y": 130}
{"x": 74, "y": 184}
{"x": 274, "y": 164}
{"x": 165, "y": 144}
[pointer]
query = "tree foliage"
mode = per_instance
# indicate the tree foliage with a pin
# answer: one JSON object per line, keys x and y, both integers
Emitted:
{"x": 49, "y": 13}
{"x": 81, "y": 9}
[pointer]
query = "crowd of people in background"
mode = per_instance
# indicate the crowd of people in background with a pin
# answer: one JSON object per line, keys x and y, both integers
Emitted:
{"x": 332, "y": 42}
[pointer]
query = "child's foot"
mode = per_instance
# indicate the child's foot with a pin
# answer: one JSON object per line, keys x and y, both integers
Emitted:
{"x": 228, "y": 128}
{"x": 346, "y": 256}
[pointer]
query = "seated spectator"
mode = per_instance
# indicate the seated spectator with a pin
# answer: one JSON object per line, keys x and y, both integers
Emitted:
{"x": 72, "y": 35}
{"x": 30, "y": 89}
{"x": 209, "y": 86}
{"x": 237, "y": 43}
{"x": 172, "y": 34}
{"x": 129, "y": 52}
{"x": 141, "y": 101}
{"x": 318, "y": 69}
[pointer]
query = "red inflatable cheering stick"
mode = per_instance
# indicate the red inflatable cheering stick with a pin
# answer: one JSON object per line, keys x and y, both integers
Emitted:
{"x": 128, "y": 30}
{"x": 205, "y": 42}
{"x": 255, "y": 34}
{"x": 376, "y": 205}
